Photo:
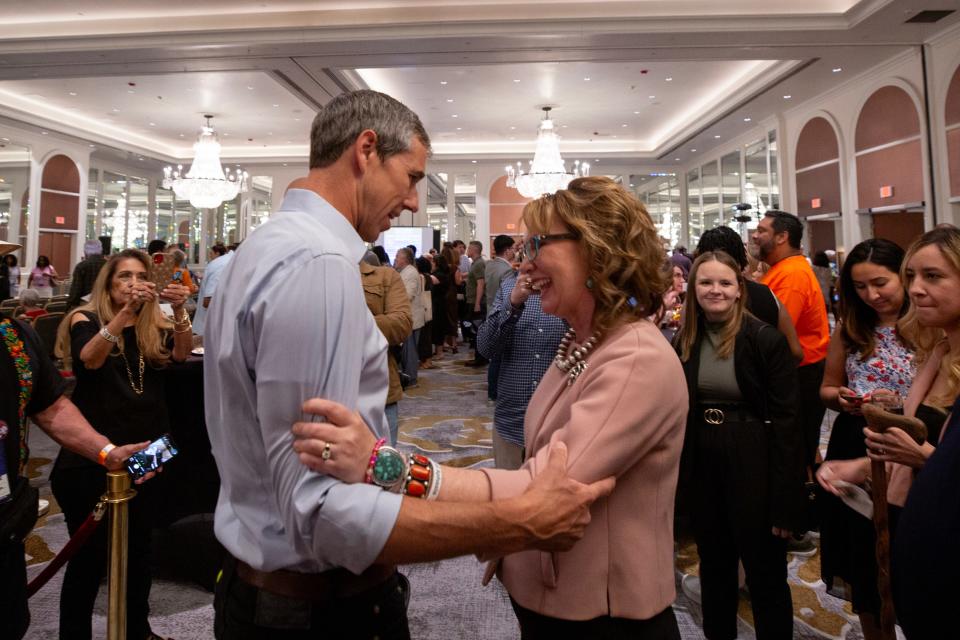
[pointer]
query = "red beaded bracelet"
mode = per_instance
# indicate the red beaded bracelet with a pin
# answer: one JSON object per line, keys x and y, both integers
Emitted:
{"x": 419, "y": 476}
{"x": 368, "y": 477}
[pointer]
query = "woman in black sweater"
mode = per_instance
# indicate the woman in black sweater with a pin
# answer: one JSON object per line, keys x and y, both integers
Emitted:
{"x": 742, "y": 464}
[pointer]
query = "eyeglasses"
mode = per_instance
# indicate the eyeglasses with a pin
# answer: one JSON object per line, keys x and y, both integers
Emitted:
{"x": 530, "y": 248}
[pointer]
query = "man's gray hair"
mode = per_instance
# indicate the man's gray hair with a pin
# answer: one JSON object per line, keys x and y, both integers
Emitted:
{"x": 341, "y": 120}
{"x": 406, "y": 253}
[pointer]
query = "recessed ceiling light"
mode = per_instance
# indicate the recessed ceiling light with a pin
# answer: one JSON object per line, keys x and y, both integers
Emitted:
{"x": 153, "y": 124}
{"x": 676, "y": 159}
{"x": 449, "y": 99}
{"x": 92, "y": 146}
{"x": 837, "y": 69}
{"x": 748, "y": 119}
{"x": 716, "y": 137}
{"x": 454, "y": 116}
{"x": 115, "y": 110}
{"x": 459, "y": 128}
{"x": 668, "y": 79}
{"x": 614, "y": 136}
{"x": 652, "y": 97}
{"x": 512, "y": 128}
{"x": 130, "y": 91}
{"x": 443, "y": 82}
{"x": 250, "y": 87}
{"x": 516, "y": 79}
{"x": 473, "y": 161}
{"x": 43, "y": 133}
{"x": 181, "y": 135}
{"x": 693, "y": 150}
{"x": 787, "y": 97}
{"x": 623, "y": 125}
{"x": 563, "y": 126}
{"x": 276, "y": 105}
{"x": 586, "y": 79}
{"x": 73, "y": 93}
{"x": 597, "y": 160}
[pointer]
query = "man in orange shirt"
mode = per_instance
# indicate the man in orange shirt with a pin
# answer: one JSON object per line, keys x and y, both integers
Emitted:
{"x": 776, "y": 241}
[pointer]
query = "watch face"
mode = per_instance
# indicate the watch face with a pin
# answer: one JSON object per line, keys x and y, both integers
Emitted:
{"x": 389, "y": 468}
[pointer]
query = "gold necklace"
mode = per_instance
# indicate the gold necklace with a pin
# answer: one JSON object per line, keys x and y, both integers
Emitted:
{"x": 133, "y": 386}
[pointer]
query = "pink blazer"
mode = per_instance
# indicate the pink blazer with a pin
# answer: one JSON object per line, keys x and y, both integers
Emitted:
{"x": 624, "y": 416}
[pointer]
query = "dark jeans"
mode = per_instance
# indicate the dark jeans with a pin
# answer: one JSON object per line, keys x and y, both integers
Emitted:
{"x": 534, "y": 626}
{"x": 244, "y": 612}
{"x": 14, "y": 613}
{"x": 77, "y": 491}
{"x": 730, "y": 521}
{"x": 811, "y": 409}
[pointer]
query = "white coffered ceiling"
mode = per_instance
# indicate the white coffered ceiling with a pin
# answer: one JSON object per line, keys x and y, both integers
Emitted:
{"x": 263, "y": 67}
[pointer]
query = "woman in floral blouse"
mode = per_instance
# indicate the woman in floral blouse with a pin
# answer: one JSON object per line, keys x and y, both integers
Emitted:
{"x": 867, "y": 356}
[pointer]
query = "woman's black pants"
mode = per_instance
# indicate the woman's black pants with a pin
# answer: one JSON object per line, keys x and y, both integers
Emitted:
{"x": 77, "y": 491}
{"x": 731, "y": 523}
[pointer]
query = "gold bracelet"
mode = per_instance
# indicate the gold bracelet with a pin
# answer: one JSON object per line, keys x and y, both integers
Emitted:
{"x": 186, "y": 324}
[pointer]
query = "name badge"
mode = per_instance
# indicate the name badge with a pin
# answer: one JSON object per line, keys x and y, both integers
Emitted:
{"x": 4, "y": 476}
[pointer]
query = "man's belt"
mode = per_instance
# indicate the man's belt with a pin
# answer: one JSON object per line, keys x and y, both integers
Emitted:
{"x": 316, "y": 587}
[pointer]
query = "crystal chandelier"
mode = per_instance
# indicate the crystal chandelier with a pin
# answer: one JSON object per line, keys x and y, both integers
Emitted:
{"x": 547, "y": 172}
{"x": 206, "y": 185}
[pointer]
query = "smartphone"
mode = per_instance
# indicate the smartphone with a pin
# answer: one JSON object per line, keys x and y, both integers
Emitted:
{"x": 857, "y": 400}
{"x": 159, "y": 452}
{"x": 161, "y": 271}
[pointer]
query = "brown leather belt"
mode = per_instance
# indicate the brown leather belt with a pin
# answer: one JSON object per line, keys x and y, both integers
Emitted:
{"x": 316, "y": 587}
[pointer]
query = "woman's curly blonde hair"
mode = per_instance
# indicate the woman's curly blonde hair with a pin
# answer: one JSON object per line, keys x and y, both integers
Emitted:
{"x": 618, "y": 240}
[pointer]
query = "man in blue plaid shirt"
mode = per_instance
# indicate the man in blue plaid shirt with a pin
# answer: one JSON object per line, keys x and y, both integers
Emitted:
{"x": 525, "y": 339}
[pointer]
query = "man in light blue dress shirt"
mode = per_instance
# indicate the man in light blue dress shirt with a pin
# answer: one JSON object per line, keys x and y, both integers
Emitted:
{"x": 208, "y": 286}
{"x": 310, "y": 555}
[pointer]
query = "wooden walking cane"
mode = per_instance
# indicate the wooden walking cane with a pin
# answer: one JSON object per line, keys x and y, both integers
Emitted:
{"x": 879, "y": 420}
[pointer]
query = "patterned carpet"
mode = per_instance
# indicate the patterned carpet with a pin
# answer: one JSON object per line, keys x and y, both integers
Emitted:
{"x": 447, "y": 416}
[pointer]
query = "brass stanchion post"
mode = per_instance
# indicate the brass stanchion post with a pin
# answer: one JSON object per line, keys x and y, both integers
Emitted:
{"x": 117, "y": 496}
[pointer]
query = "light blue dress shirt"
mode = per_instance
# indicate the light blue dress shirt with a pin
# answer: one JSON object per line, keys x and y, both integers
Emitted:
{"x": 208, "y": 287}
{"x": 289, "y": 322}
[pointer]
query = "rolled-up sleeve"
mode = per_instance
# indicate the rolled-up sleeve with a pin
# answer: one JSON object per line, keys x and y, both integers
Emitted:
{"x": 306, "y": 347}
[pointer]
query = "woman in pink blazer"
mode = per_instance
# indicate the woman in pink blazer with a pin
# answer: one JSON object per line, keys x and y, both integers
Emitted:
{"x": 615, "y": 396}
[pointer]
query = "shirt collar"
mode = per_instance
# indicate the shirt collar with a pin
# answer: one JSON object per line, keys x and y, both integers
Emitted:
{"x": 311, "y": 203}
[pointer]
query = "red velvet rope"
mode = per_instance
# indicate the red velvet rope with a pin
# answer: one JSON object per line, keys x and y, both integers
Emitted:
{"x": 73, "y": 545}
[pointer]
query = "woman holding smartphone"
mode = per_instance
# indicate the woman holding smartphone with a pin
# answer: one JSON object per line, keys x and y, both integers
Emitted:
{"x": 117, "y": 342}
{"x": 868, "y": 356}
{"x": 931, "y": 276}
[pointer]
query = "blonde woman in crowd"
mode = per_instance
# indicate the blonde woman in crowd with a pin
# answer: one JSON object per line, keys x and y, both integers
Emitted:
{"x": 117, "y": 343}
{"x": 742, "y": 468}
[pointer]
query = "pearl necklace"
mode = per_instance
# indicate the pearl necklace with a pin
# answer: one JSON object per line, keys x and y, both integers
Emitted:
{"x": 573, "y": 363}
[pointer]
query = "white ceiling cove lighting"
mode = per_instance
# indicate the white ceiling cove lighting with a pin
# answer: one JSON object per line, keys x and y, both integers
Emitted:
{"x": 547, "y": 173}
{"x": 206, "y": 185}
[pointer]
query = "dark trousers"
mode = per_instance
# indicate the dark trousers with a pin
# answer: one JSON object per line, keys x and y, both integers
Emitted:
{"x": 731, "y": 523}
{"x": 14, "y": 613}
{"x": 476, "y": 318}
{"x": 534, "y": 626}
{"x": 811, "y": 409}
{"x": 77, "y": 491}
{"x": 493, "y": 377}
{"x": 244, "y": 612}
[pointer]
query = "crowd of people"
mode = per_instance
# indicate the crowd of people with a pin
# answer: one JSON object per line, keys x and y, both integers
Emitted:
{"x": 638, "y": 399}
